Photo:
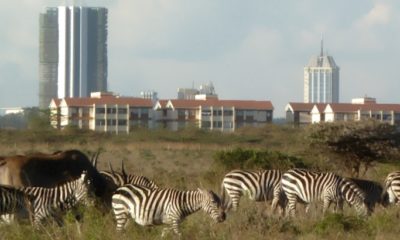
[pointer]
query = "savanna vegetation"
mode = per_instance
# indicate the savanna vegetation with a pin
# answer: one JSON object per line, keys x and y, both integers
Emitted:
{"x": 192, "y": 158}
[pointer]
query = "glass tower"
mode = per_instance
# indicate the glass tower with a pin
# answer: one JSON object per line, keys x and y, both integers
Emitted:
{"x": 321, "y": 79}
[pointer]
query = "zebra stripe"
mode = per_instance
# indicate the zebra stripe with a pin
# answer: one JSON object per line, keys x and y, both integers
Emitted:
{"x": 308, "y": 186}
{"x": 63, "y": 197}
{"x": 120, "y": 179}
{"x": 162, "y": 206}
{"x": 14, "y": 201}
{"x": 392, "y": 187}
{"x": 259, "y": 185}
{"x": 373, "y": 192}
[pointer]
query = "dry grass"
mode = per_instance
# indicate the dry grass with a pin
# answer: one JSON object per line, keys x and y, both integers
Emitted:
{"x": 188, "y": 165}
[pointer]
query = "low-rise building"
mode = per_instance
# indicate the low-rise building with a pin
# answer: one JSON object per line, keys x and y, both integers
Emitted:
{"x": 214, "y": 114}
{"x": 106, "y": 112}
{"x": 103, "y": 112}
{"x": 359, "y": 109}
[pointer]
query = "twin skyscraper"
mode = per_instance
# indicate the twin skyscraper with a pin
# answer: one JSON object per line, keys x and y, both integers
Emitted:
{"x": 72, "y": 52}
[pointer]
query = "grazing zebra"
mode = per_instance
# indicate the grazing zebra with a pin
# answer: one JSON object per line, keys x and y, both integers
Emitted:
{"x": 162, "y": 206}
{"x": 373, "y": 192}
{"x": 308, "y": 186}
{"x": 13, "y": 201}
{"x": 120, "y": 179}
{"x": 260, "y": 185}
{"x": 392, "y": 188}
{"x": 47, "y": 201}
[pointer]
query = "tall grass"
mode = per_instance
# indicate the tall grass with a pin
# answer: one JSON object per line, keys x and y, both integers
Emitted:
{"x": 186, "y": 160}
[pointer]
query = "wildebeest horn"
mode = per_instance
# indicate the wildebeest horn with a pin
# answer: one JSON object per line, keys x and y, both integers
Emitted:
{"x": 110, "y": 166}
{"x": 94, "y": 158}
{"x": 123, "y": 168}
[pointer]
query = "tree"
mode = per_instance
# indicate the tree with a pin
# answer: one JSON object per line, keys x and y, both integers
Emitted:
{"x": 354, "y": 145}
{"x": 37, "y": 119}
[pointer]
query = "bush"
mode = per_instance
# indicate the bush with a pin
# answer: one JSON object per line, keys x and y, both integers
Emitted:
{"x": 256, "y": 159}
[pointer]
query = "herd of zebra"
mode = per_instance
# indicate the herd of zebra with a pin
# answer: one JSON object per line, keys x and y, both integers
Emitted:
{"x": 138, "y": 198}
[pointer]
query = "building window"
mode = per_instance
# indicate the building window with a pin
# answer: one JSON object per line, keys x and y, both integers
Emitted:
{"x": 100, "y": 122}
{"x": 217, "y": 124}
{"x": 100, "y": 111}
{"x": 111, "y": 122}
{"x": 122, "y": 110}
{"x": 122, "y": 122}
{"x": 111, "y": 110}
{"x": 217, "y": 112}
{"x": 206, "y": 113}
{"x": 228, "y": 112}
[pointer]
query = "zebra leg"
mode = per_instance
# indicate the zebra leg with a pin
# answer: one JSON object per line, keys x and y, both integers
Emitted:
{"x": 327, "y": 203}
{"x": 292, "y": 205}
{"x": 122, "y": 220}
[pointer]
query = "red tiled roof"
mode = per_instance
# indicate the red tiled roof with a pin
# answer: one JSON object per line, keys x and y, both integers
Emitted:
{"x": 109, "y": 100}
{"x": 238, "y": 104}
{"x": 306, "y": 107}
{"x": 349, "y": 107}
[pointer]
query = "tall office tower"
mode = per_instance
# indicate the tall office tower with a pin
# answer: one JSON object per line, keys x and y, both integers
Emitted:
{"x": 48, "y": 56}
{"x": 321, "y": 79}
{"x": 81, "y": 51}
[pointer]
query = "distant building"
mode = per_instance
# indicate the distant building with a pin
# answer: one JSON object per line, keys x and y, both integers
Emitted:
{"x": 360, "y": 109}
{"x": 72, "y": 52}
{"x": 106, "y": 112}
{"x": 205, "y": 91}
{"x": 153, "y": 95}
{"x": 299, "y": 114}
{"x": 102, "y": 112}
{"x": 213, "y": 114}
{"x": 321, "y": 79}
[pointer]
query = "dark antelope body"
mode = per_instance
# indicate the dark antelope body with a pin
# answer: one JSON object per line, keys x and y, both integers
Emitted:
{"x": 50, "y": 170}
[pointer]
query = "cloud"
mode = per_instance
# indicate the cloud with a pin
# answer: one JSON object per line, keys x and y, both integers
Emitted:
{"x": 380, "y": 14}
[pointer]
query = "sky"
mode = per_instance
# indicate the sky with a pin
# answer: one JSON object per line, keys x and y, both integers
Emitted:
{"x": 253, "y": 49}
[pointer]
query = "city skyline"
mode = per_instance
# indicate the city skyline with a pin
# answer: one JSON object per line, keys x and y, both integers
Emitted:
{"x": 253, "y": 50}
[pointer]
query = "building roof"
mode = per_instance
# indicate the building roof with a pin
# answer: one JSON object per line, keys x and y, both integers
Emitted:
{"x": 109, "y": 100}
{"x": 349, "y": 107}
{"x": 300, "y": 107}
{"x": 238, "y": 104}
{"x": 322, "y": 61}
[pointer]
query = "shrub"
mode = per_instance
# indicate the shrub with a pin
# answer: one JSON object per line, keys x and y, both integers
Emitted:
{"x": 255, "y": 159}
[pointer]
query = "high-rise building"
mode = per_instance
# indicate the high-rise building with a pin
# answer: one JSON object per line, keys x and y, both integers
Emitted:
{"x": 73, "y": 52}
{"x": 321, "y": 79}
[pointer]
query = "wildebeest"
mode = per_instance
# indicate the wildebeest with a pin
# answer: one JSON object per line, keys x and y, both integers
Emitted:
{"x": 50, "y": 170}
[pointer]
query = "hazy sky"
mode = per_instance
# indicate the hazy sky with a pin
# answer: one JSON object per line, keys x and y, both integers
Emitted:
{"x": 248, "y": 49}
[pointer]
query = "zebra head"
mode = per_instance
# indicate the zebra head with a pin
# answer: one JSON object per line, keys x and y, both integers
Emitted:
{"x": 354, "y": 196}
{"x": 83, "y": 189}
{"x": 211, "y": 204}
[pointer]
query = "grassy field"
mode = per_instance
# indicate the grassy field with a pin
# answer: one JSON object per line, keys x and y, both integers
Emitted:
{"x": 185, "y": 160}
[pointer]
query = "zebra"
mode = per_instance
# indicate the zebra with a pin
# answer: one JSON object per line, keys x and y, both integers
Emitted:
{"x": 47, "y": 201}
{"x": 373, "y": 192}
{"x": 391, "y": 193}
{"x": 307, "y": 186}
{"x": 162, "y": 206}
{"x": 14, "y": 201}
{"x": 260, "y": 185}
{"x": 122, "y": 178}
